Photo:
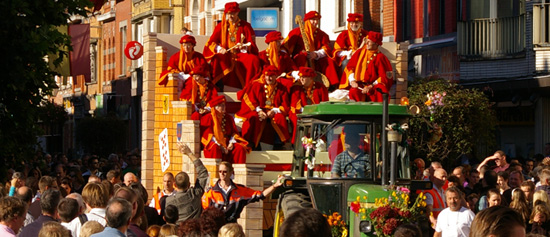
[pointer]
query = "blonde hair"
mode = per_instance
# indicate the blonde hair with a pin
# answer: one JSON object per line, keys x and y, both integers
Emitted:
{"x": 53, "y": 229}
{"x": 90, "y": 228}
{"x": 519, "y": 203}
{"x": 168, "y": 230}
{"x": 231, "y": 230}
{"x": 540, "y": 208}
{"x": 541, "y": 195}
{"x": 95, "y": 195}
{"x": 153, "y": 230}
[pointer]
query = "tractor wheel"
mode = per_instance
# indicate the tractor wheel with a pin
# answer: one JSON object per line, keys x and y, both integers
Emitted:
{"x": 288, "y": 204}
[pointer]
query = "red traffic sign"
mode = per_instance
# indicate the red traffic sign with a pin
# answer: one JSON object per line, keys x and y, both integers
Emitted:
{"x": 133, "y": 50}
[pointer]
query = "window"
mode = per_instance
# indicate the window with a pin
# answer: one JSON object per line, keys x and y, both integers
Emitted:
{"x": 124, "y": 41}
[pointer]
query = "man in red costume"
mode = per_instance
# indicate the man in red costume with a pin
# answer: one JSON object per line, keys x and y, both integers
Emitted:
{"x": 320, "y": 47}
{"x": 274, "y": 55}
{"x": 368, "y": 71}
{"x": 221, "y": 139}
{"x": 199, "y": 91}
{"x": 307, "y": 93}
{"x": 350, "y": 40}
{"x": 264, "y": 109}
{"x": 234, "y": 63}
{"x": 183, "y": 61}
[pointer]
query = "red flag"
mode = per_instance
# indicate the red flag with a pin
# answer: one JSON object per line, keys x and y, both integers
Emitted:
{"x": 80, "y": 56}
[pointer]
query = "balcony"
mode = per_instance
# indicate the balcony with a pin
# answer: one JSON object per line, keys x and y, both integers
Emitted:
{"x": 491, "y": 38}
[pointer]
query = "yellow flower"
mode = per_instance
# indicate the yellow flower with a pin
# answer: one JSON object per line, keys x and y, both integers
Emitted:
{"x": 365, "y": 197}
{"x": 393, "y": 194}
{"x": 358, "y": 198}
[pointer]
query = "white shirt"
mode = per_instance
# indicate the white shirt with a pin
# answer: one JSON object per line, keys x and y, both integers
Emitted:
{"x": 97, "y": 214}
{"x": 454, "y": 223}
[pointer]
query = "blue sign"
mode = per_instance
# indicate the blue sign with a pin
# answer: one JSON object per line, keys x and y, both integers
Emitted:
{"x": 264, "y": 18}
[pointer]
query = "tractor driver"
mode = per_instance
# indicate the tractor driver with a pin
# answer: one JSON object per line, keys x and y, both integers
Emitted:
{"x": 352, "y": 162}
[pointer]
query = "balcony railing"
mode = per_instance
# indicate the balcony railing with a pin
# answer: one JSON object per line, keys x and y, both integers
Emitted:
{"x": 541, "y": 24}
{"x": 491, "y": 38}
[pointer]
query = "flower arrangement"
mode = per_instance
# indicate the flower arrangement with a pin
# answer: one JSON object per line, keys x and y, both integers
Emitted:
{"x": 398, "y": 128}
{"x": 435, "y": 99}
{"x": 338, "y": 227}
{"x": 391, "y": 212}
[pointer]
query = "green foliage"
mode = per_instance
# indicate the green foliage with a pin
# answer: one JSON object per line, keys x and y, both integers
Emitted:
{"x": 102, "y": 135}
{"x": 27, "y": 34}
{"x": 449, "y": 125}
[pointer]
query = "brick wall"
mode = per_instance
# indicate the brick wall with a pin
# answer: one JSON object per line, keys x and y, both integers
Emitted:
{"x": 388, "y": 18}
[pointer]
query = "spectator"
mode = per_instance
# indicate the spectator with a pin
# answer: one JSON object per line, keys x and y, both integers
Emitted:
{"x": 228, "y": 201}
{"x": 168, "y": 230}
{"x": 53, "y": 229}
{"x": 502, "y": 181}
{"x": 118, "y": 214}
{"x": 528, "y": 167}
{"x": 500, "y": 159}
{"x": 68, "y": 211}
{"x": 188, "y": 199}
{"x": 133, "y": 166}
{"x": 471, "y": 200}
{"x": 435, "y": 198}
{"x": 306, "y": 222}
{"x": 90, "y": 227}
{"x": 459, "y": 173}
{"x": 516, "y": 178}
{"x": 96, "y": 197}
{"x": 66, "y": 186}
{"x": 25, "y": 193}
{"x": 455, "y": 219}
{"x": 134, "y": 199}
{"x": 528, "y": 187}
{"x": 407, "y": 230}
{"x": 190, "y": 227}
{"x": 540, "y": 223}
{"x": 473, "y": 180}
{"x": 153, "y": 231}
{"x": 171, "y": 214}
{"x": 541, "y": 196}
{"x": 130, "y": 178}
{"x": 520, "y": 204}
{"x": 94, "y": 179}
{"x": 168, "y": 190}
{"x": 113, "y": 176}
{"x": 45, "y": 183}
{"x": 493, "y": 198}
{"x": 231, "y": 230}
{"x": 419, "y": 166}
{"x": 211, "y": 220}
{"x": 48, "y": 203}
{"x": 498, "y": 221}
{"x": 12, "y": 215}
{"x": 93, "y": 169}
{"x": 544, "y": 177}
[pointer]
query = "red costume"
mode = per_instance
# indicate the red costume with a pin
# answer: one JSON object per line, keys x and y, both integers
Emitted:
{"x": 236, "y": 68}
{"x": 220, "y": 132}
{"x": 273, "y": 55}
{"x": 319, "y": 42}
{"x": 368, "y": 67}
{"x": 181, "y": 61}
{"x": 264, "y": 98}
{"x": 198, "y": 94}
{"x": 349, "y": 41}
{"x": 301, "y": 96}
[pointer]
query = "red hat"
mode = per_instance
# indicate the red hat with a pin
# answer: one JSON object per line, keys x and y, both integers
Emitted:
{"x": 200, "y": 70}
{"x": 217, "y": 100}
{"x": 311, "y": 15}
{"x": 375, "y": 37}
{"x": 188, "y": 39}
{"x": 232, "y": 7}
{"x": 355, "y": 17}
{"x": 271, "y": 71}
{"x": 306, "y": 72}
{"x": 272, "y": 36}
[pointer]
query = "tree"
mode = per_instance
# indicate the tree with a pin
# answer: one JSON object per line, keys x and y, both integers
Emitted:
{"x": 28, "y": 34}
{"x": 451, "y": 122}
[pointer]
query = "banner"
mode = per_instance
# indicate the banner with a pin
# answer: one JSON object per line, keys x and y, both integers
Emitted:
{"x": 164, "y": 150}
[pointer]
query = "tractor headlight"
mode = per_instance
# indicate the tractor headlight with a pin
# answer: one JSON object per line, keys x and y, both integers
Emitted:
{"x": 365, "y": 227}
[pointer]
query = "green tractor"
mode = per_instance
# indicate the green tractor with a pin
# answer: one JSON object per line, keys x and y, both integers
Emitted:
{"x": 325, "y": 126}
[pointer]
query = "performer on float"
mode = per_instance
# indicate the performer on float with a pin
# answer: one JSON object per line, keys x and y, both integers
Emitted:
{"x": 276, "y": 56}
{"x": 264, "y": 110}
{"x": 368, "y": 71}
{"x": 314, "y": 49}
{"x": 183, "y": 61}
{"x": 232, "y": 50}
{"x": 307, "y": 93}
{"x": 221, "y": 138}
{"x": 199, "y": 91}
{"x": 350, "y": 40}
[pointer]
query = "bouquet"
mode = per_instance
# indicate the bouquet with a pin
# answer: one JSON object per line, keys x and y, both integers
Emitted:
{"x": 338, "y": 227}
